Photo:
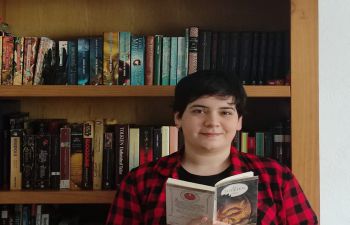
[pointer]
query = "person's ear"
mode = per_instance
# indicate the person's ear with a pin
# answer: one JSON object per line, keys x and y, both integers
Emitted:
{"x": 177, "y": 120}
{"x": 239, "y": 123}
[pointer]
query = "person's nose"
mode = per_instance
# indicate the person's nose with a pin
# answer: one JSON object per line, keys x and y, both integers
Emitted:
{"x": 211, "y": 119}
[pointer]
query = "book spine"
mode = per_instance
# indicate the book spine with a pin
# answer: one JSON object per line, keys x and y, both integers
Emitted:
{"x": 124, "y": 58}
{"x": 244, "y": 142}
{"x": 214, "y": 51}
{"x": 259, "y": 141}
{"x": 137, "y": 60}
{"x": 173, "y": 139}
{"x": 134, "y": 146}
{"x": 76, "y": 165}
{"x": 157, "y": 143}
{"x": 42, "y": 161}
{"x": 193, "y": 50}
{"x": 7, "y": 60}
{"x": 204, "y": 46}
{"x": 28, "y": 162}
{"x": 234, "y": 53}
{"x": 255, "y": 57}
{"x": 1, "y": 38}
{"x": 5, "y": 161}
{"x": 223, "y": 47}
{"x": 98, "y": 154}
{"x": 146, "y": 145}
{"x": 96, "y": 60}
{"x": 83, "y": 61}
{"x": 49, "y": 62}
{"x": 16, "y": 171}
{"x": 246, "y": 57}
{"x": 251, "y": 145}
{"x": 277, "y": 75}
{"x": 158, "y": 41}
{"x": 55, "y": 159}
{"x": 43, "y": 48}
{"x": 108, "y": 162}
{"x": 110, "y": 57}
{"x": 65, "y": 143}
{"x": 18, "y": 61}
{"x": 122, "y": 151}
{"x": 165, "y": 80}
{"x": 165, "y": 140}
{"x": 271, "y": 38}
{"x": 62, "y": 57}
{"x": 88, "y": 135}
{"x": 149, "y": 64}
{"x": 173, "y": 61}
{"x": 186, "y": 50}
{"x": 72, "y": 63}
{"x": 181, "y": 59}
{"x": 262, "y": 58}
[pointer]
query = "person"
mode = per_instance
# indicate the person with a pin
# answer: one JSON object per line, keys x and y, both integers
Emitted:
{"x": 208, "y": 108}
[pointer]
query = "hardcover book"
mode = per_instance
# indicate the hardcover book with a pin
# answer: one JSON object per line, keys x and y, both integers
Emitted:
{"x": 232, "y": 200}
{"x": 110, "y": 57}
{"x": 158, "y": 40}
{"x": 122, "y": 151}
{"x": 173, "y": 61}
{"x": 193, "y": 49}
{"x": 165, "y": 78}
{"x": 83, "y": 61}
{"x": 149, "y": 61}
{"x": 181, "y": 70}
{"x": 137, "y": 60}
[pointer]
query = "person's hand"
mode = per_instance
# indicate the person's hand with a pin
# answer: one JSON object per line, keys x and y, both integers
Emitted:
{"x": 204, "y": 221}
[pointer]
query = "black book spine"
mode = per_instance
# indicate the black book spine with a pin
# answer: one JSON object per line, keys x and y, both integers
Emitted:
{"x": 108, "y": 168}
{"x": 122, "y": 151}
{"x": 246, "y": 56}
{"x": 204, "y": 52}
{"x": 262, "y": 58}
{"x": 277, "y": 57}
{"x": 223, "y": 44}
{"x": 255, "y": 57}
{"x": 214, "y": 51}
{"x": 269, "y": 56}
{"x": 88, "y": 134}
{"x": 28, "y": 161}
{"x": 234, "y": 51}
{"x": 42, "y": 162}
{"x": 55, "y": 162}
{"x": 61, "y": 65}
{"x": 157, "y": 143}
{"x": 5, "y": 161}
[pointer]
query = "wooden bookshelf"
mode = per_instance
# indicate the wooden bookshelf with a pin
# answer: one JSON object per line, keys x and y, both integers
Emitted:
{"x": 56, "y": 197}
{"x": 121, "y": 91}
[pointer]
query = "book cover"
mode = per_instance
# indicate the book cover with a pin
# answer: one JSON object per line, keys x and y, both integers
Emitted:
{"x": 223, "y": 51}
{"x": 234, "y": 53}
{"x": 214, "y": 51}
{"x": 44, "y": 59}
{"x": 72, "y": 62}
{"x": 134, "y": 148}
{"x": 233, "y": 200}
{"x": 18, "y": 61}
{"x": 157, "y": 143}
{"x": 110, "y": 57}
{"x": 61, "y": 66}
{"x": 124, "y": 58}
{"x": 16, "y": 167}
{"x": 88, "y": 135}
{"x": 137, "y": 60}
{"x": 108, "y": 165}
{"x": 96, "y": 52}
{"x": 7, "y": 60}
{"x": 204, "y": 50}
{"x": 181, "y": 71}
{"x": 55, "y": 159}
{"x": 83, "y": 61}
{"x": 165, "y": 79}
{"x": 165, "y": 140}
{"x": 262, "y": 58}
{"x": 158, "y": 41}
{"x": 255, "y": 58}
{"x": 173, "y": 61}
{"x": 149, "y": 60}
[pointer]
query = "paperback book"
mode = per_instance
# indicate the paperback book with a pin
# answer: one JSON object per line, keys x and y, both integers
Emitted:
{"x": 232, "y": 200}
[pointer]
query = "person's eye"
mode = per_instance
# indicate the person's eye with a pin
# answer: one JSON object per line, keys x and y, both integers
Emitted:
{"x": 227, "y": 113}
{"x": 197, "y": 111}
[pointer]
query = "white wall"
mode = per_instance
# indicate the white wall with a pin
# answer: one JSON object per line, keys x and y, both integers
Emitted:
{"x": 334, "y": 84}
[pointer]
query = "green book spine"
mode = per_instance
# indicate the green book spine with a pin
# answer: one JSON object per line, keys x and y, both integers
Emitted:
{"x": 157, "y": 59}
{"x": 166, "y": 61}
{"x": 259, "y": 141}
{"x": 173, "y": 61}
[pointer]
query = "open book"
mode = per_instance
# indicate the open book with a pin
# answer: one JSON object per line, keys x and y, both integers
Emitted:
{"x": 233, "y": 200}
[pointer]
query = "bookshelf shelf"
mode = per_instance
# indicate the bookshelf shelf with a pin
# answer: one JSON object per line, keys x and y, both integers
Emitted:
{"x": 56, "y": 197}
{"x": 121, "y": 91}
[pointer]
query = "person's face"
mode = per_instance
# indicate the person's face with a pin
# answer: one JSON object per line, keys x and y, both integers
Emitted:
{"x": 209, "y": 123}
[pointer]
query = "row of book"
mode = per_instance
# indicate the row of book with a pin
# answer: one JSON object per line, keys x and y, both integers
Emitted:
{"x": 122, "y": 58}
{"x": 54, "y": 154}
{"x": 44, "y": 214}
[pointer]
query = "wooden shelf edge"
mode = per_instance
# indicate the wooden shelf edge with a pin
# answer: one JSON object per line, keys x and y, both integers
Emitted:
{"x": 122, "y": 91}
{"x": 56, "y": 197}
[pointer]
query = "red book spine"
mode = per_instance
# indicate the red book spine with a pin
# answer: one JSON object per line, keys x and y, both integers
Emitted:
{"x": 65, "y": 135}
{"x": 251, "y": 145}
{"x": 146, "y": 145}
{"x": 88, "y": 134}
{"x": 149, "y": 73}
{"x": 7, "y": 60}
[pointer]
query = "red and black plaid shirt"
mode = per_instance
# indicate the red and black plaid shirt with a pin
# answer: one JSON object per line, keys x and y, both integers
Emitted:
{"x": 141, "y": 196}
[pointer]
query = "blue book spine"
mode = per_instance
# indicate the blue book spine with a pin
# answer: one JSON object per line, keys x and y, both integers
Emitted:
{"x": 83, "y": 61}
{"x": 137, "y": 60}
{"x": 166, "y": 61}
{"x": 72, "y": 61}
{"x": 181, "y": 59}
{"x": 187, "y": 41}
{"x": 96, "y": 60}
{"x": 124, "y": 58}
{"x": 173, "y": 60}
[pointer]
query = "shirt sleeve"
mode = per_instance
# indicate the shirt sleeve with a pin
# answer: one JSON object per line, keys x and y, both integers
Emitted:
{"x": 298, "y": 209}
{"x": 125, "y": 208}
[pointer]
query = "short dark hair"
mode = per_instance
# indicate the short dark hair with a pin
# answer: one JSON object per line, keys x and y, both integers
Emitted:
{"x": 207, "y": 83}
